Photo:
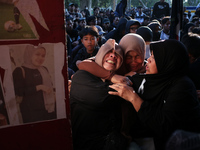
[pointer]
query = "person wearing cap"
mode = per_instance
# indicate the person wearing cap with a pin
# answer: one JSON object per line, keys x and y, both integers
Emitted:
{"x": 106, "y": 25}
{"x": 71, "y": 10}
{"x": 77, "y": 11}
{"x": 140, "y": 15}
{"x": 81, "y": 24}
{"x": 96, "y": 115}
{"x": 132, "y": 26}
{"x": 102, "y": 38}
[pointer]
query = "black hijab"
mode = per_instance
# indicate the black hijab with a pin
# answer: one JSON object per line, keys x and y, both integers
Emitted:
{"x": 172, "y": 63}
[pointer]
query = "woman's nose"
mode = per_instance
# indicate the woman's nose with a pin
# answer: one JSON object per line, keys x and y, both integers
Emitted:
{"x": 148, "y": 60}
{"x": 113, "y": 55}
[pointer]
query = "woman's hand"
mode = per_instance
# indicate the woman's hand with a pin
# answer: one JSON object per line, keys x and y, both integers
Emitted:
{"x": 126, "y": 92}
{"x": 44, "y": 88}
{"x": 121, "y": 79}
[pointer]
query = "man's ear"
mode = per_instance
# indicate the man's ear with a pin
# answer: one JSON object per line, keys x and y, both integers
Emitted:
{"x": 97, "y": 39}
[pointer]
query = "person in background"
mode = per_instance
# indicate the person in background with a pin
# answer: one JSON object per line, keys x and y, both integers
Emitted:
{"x": 106, "y": 25}
{"x": 197, "y": 13}
{"x": 192, "y": 43}
{"x": 96, "y": 11}
{"x": 96, "y": 115}
{"x": 81, "y": 24}
{"x": 140, "y": 15}
{"x": 89, "y": 38}
{"x": 71, "y": 10}
{"x": 195, "y": 20}
{"x": 92, "y": 21}
{"x": 146, "y": 21}
{"x": 164, "y": 99}
{"x": 119, "y": 32}
{"x": 83, "y": 13}
{"x": 160, "y": 9}
{"x": 165, "y": 23}
{"x": 77, "y": 11}
{"x": 115, "y": 22}
{"x": 102, "y": 14}
{"x": 87, "y": 13}
{"x": 102, "y": 38}
{"x": 99, "y": 21}
{"x": 147, "y": 35}
{"x": 121, "y": 8}
{"x": 111, "y": 16}
{"x": 132, "y": 25}
{"x": 71, "y": 35}
{"x": 156, "y": 28}
{"x": 185, "y": 19}
{"x": 189, "y": 15}
{"x": 187, "y": 28}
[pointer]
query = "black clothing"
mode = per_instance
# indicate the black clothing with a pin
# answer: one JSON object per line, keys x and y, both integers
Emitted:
{"x": 121, "y": 8}
{"x": 119, "y": 32}
{"x": 94, "y": 112}
{"x": 32, "y": 106}
{"x": 160, "y": 10}
{"x": 170, "y": 99}
{"x": 130, "y": 23}
{"x": 81, "y": 55}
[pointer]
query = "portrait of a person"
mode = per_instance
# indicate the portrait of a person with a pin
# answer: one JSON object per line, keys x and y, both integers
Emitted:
{"x": 33, "y": 86}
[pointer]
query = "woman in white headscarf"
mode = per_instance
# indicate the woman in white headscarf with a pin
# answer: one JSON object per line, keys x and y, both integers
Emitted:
{"x": 96, "y": 115}
{"x": 33, "y": 83}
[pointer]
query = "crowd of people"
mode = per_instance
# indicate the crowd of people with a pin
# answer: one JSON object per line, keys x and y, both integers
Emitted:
{"x": 133, "y": 87}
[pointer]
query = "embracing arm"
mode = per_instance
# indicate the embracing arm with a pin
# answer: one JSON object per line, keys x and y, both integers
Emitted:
{"x": 93, "y": 68}
{"x": 89, "y": 65}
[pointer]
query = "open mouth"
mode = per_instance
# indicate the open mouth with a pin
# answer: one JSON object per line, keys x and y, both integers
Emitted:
{"x": 111, "y": 62}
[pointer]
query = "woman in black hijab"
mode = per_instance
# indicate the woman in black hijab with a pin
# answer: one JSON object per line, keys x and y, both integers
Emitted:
{"x": 164, "y": 98}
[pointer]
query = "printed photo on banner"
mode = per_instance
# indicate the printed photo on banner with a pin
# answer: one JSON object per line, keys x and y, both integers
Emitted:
{"x": 34, "y": 81}
{"x": 20, "y": 21}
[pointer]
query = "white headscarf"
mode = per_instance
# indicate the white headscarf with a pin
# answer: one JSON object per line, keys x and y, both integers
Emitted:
{"x": 49, "y": 99}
